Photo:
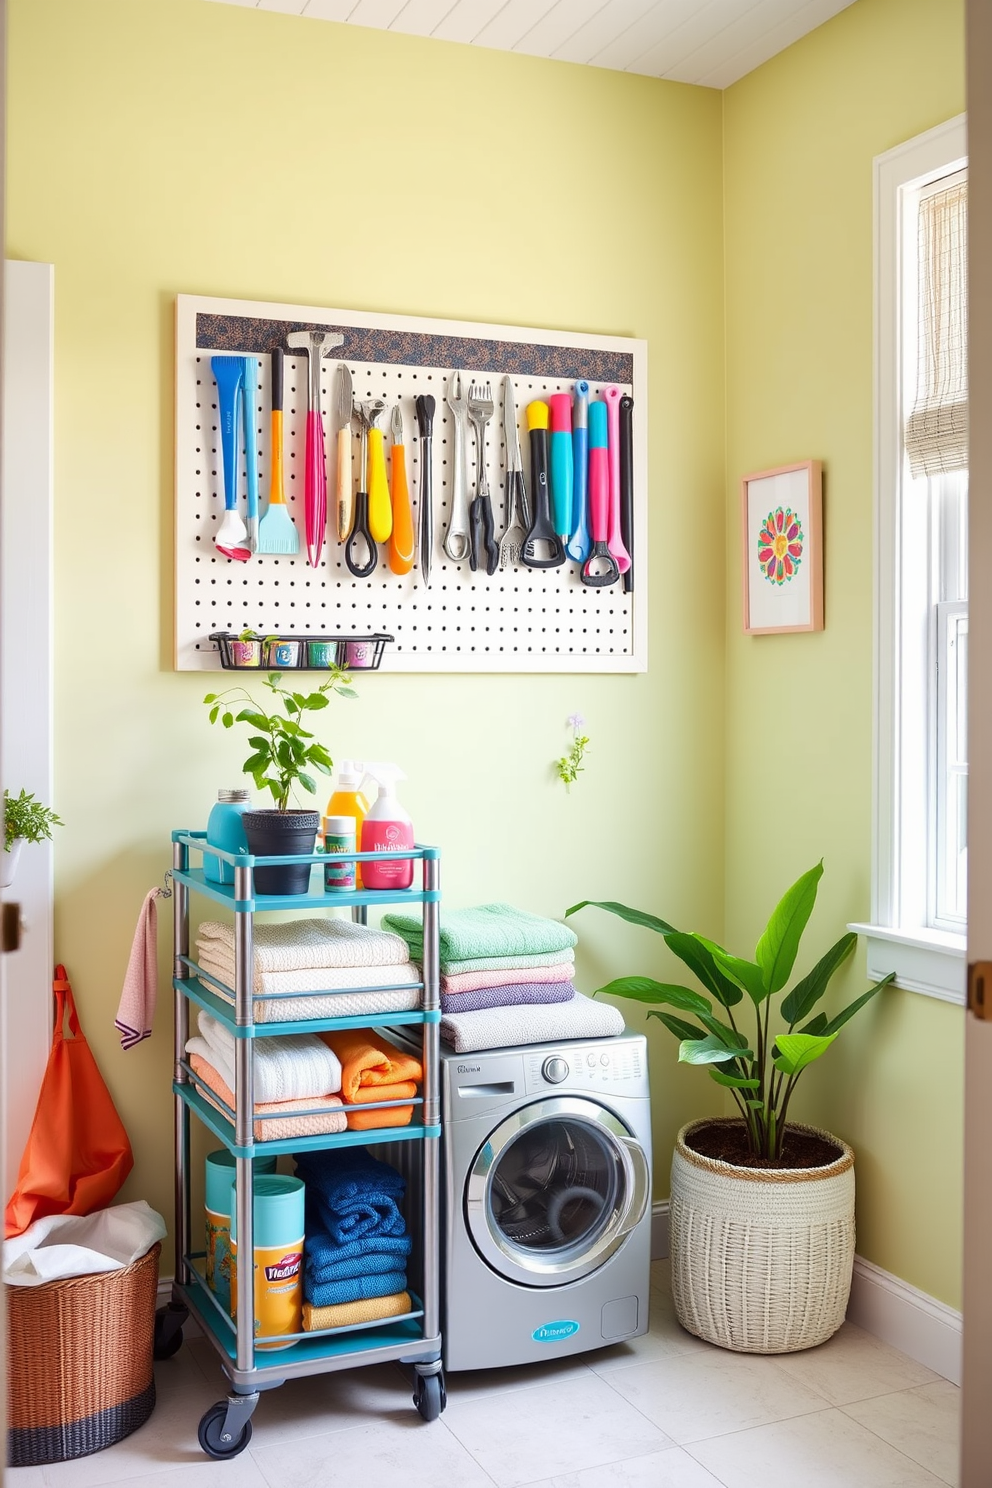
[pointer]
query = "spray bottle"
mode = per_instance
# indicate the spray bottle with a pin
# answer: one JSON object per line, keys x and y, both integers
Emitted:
{"x": 348, "y": 800}
{"x": 387, "y": 828}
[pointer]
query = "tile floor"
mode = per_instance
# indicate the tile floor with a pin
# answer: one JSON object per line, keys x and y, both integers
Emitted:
{"x": 666, "y": 1411}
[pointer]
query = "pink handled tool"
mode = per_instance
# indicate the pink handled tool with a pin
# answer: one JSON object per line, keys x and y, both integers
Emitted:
{"x": 317, "y": 344}
{"x": 611, "y": 397}
{"x": 600, "y": 568}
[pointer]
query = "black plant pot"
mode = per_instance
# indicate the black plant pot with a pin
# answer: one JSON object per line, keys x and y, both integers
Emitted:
{"x": 281, "y": 834}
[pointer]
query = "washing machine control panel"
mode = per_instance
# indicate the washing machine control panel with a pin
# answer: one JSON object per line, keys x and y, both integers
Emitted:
{"x": 605, "y": 1064}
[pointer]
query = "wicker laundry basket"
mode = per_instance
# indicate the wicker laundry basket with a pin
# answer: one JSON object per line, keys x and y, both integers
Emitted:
{"x": 79, "y": 1362}
{"x": 761, "y": 1258}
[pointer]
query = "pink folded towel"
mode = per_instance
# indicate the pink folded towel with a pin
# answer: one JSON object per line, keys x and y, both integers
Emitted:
{"x": 510, "y": 994}
{"x": 137, "y": 1004}
{"x": 322, "y": 1116}
{"x": 471, "y": 981}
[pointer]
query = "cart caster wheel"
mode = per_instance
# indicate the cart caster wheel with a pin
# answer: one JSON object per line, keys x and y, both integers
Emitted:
{"x": 169, "y": 1330}
{"x": 429, "y": 1396}
{"x": 209, "y": 1433}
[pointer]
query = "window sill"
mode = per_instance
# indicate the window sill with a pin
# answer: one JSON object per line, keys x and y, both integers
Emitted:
{"x": 933, "y": 962}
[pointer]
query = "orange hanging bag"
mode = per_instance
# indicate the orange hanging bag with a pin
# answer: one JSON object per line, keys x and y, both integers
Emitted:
{"x": 78, "y": 1153}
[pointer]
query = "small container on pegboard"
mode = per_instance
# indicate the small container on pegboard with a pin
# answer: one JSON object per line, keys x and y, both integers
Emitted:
{"x": 253, "y": 653}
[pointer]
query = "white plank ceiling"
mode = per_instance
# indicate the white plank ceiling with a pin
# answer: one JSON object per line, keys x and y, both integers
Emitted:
{"x": 709, "y": 42}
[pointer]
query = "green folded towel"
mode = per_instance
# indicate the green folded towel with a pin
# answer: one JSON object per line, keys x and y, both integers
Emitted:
{"x": 489, "y": 930}
{"x": 550, "y": 959}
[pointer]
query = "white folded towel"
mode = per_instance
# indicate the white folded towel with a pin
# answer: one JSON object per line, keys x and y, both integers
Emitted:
{"x": 344, "y": 1004}
{"x": 313, "y": 978}
{"x": 297, "y": 1066}
{"x": 531, "y": 1023}
{"x": 298, "y": 944}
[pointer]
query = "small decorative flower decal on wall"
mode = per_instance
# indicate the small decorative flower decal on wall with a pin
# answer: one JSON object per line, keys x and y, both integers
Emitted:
{"x": 780, "y": 545}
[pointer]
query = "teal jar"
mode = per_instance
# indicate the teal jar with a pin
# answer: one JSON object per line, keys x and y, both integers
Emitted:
{"x": 217, "y": 1201}
{"x": 225, "y": 830}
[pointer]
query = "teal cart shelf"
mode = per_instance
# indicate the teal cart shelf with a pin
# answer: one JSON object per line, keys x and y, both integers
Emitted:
{"x": 412, "y": 1339}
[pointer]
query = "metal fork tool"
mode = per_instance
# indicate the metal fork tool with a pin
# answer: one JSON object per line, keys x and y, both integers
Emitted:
{"x": 456, "y": 539}
{"x": 516, "y": 509}
{"x": 485, "y": 553}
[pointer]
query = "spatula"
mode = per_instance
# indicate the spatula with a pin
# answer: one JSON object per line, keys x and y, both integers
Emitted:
{"x": 229, "y": 372}
{"x": 316, "y": 344}
{"x": 277, "y": 532}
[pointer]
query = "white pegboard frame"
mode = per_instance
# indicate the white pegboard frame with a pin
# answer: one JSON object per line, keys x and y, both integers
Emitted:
{"x": 520, "y": 620}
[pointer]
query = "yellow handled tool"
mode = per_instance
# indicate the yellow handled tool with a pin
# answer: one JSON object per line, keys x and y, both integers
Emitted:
{"x": 380, "y": 511}
{"x": 401, "y": 544}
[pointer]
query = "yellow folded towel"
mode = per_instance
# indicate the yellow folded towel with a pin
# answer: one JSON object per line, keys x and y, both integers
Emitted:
{"x": 349, "y": 1314}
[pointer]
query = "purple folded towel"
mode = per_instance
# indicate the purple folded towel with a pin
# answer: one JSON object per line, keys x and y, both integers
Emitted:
{"x": 511, "y": 994}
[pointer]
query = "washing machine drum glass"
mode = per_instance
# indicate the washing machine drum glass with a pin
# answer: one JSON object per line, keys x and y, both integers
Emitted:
{"x": 555, "y": 1191}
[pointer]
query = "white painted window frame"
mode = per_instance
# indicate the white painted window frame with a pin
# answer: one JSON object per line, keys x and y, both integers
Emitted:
{"x": 900, "y": 939}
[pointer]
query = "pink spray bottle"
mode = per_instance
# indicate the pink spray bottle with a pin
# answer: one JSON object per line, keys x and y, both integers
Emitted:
{"x": 387, "y": 829}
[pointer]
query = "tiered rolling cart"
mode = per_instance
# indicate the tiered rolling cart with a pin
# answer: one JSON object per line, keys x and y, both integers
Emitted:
{"x": 412, "y": 1339}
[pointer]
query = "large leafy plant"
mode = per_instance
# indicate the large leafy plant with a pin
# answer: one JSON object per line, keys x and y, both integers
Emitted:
{"x": 760, "y": 1068}
{"x": 284, "y": 750}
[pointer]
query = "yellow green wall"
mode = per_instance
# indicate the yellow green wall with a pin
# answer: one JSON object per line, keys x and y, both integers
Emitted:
{"x": 174, "y": 145}
{"x": 800, "y": 134}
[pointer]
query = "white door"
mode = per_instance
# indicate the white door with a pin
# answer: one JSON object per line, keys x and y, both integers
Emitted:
{"x": 977, "y": 1384}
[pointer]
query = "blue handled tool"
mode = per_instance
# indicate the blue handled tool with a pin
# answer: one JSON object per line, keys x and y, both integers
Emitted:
{"x": 579, "y": 545}
{"x": 229, "y": 372}
{"x": 249, "y": 405}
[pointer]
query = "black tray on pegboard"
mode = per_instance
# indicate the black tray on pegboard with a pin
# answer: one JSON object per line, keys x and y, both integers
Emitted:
{"x": 305, "y": 653}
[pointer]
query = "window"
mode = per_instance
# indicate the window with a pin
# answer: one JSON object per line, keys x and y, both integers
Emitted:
{"x": 921, "y": 631}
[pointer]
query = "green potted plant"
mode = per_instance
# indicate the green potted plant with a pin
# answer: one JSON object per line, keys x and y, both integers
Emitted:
{"x": 24, "y": 820}
{"x": 762, "y": 1208}
{"x": 283, "y": 753}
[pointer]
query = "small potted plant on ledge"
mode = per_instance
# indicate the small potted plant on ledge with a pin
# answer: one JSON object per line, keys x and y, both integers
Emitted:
{"x": 24, "y": 820}
{"x": 283, "y": 753}
{"x": 762, "y": 1209}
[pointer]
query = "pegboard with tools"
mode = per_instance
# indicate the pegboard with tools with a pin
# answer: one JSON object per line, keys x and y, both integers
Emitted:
{"x": 418, "y": 584}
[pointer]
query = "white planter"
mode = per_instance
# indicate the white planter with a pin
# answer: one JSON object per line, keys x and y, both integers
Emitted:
{"x": 8, "y": 866}
{"x": 761, "y": 1257}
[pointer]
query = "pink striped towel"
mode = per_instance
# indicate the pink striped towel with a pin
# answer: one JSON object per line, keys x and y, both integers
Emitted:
{"x": 137, "y": 1004}
{"x": 472, "y": 981}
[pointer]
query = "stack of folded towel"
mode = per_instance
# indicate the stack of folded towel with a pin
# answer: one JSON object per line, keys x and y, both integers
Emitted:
{"x": 374, "y": 1070}
{"x": 295, "y": 1074}
{"x": 310, "y": 957}
{"x": 356, "y": 1247}
{"x": 496, "y": 956}
{"x": 506, "y": 978}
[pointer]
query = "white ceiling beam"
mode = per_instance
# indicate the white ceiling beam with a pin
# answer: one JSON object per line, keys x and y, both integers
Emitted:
{"x": 510, "y": 24}
{"x": 379, "y": 14}
{"x": 422, "y": 17}
{"x": 466, "y": 19}
{"x": 558, "y": 26}
{"x": 720, "y": 70}
{"x": 603, "y": 27}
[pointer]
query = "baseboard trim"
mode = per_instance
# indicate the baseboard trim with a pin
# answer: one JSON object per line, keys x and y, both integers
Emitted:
{"x": 659, "y": 1230}
{"x": 884, "y": 1305}
{"x": 910, "y": 1320}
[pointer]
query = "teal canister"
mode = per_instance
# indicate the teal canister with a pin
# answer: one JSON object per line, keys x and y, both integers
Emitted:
{"x": 225, "y": 830}
{"x": 217, "y": 1200}
{"x": 277, "y": 1219}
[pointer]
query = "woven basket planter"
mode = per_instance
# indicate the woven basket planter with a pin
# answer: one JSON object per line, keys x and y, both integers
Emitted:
{"x": 761, "y": 1257}
{"x": 79, "y": 1362}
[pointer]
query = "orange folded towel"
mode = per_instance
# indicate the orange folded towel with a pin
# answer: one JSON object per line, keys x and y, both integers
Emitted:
{"x": 328, "y": 1118}
{"x": 373, "y": 1070}
{"x": 348, "y": 1314}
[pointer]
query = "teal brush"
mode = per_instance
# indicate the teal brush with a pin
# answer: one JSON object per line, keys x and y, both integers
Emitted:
{"x": 276, "y": 532}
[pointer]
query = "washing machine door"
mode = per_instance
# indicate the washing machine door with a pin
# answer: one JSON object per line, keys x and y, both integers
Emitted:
{"x": 555, "y": 1191}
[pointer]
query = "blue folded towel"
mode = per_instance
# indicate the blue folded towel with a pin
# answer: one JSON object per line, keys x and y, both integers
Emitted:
{"x": 355, "y": 1289}
{"x": 353, "y": 1193}
{"x": 325, "y": 1260}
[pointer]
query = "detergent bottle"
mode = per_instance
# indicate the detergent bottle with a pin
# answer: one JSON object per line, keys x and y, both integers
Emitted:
{"x": 348, "y": 800}
{"x": 387, "y": 828}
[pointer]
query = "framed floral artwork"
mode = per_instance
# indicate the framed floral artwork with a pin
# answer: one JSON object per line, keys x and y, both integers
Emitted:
{"x": 782, "y": 514}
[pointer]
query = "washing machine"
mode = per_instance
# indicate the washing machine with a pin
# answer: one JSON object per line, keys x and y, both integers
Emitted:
{"x": 547, "y": 1200}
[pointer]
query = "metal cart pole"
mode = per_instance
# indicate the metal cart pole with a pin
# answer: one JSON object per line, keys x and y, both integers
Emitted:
{"x": 244, "y": 1107}
{"x": 180, "y": 948}
{"x": 431, "y": 1197}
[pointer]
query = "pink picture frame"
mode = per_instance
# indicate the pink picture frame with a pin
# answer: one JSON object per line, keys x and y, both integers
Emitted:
{"x": 782, "y": 549}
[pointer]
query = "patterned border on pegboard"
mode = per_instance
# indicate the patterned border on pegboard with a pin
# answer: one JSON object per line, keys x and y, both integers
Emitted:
{"x": 413, "y": 349}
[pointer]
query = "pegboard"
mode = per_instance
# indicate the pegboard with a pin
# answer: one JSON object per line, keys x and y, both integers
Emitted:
{"x": 518, "y": 620}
